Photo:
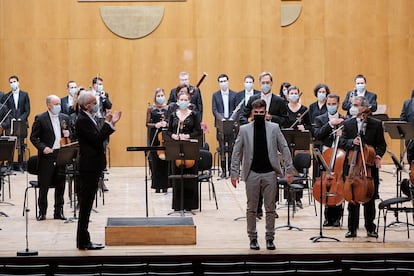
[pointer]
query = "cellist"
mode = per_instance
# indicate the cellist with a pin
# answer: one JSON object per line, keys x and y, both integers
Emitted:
{"x": 362, "y": 127}
{"x": 326, "y": 129}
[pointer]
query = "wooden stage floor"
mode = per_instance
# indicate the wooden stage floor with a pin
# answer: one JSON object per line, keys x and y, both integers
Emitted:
{"x": 217, "y": 230}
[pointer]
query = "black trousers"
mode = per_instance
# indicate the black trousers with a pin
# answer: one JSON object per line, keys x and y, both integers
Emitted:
{"x": 87, "y": 189}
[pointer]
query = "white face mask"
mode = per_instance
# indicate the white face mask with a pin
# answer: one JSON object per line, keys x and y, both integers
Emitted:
{"x": 353, "y": 111}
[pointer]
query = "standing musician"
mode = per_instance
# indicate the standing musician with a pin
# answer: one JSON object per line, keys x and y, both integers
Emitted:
{"x": 194, "y": 92}
{"x": 326, "y": 129}
{"x": 369, "y": 131}
{"x": 223, "y": 105}
{"x": 184, "y": 124}
{"x": 156, "y": 121}
{"x": 276, "y": 112}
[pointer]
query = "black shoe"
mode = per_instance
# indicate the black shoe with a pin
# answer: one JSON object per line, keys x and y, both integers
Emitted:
{"x": 276, "y": 215}
{"x": 270, "y": 245}
{"x": 336, "y": 223}
{"x": 254, "y": 244}
{"x": 91, "y": 246}
{"x": 41, "y": 217}
{"x": 327, "y": 223}
{"x": 165, "y": 191}
{"x": 223, "y": 175}
{"x": 104, "y": 188}
{"x": 372, "y": 234}
{"x": 157, "y": 191}
{"x": 59, "y": 216}
{"x": 299, "y": 204}
{"x": 350, "y": 234}
{"x": 259, "y": 215}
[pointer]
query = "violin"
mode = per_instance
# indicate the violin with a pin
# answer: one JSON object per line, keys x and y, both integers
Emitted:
{"x": 331, "y": 180}
{"x": 161, "y": 153}
{"x": 186, "y": 164}
{"x": 64, "y": 140}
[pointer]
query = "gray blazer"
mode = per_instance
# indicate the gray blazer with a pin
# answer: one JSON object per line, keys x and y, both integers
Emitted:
{"x": 243, "y": 148}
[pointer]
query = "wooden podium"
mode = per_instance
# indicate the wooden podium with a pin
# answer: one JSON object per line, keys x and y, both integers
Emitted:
{"x": 150, "y": 231}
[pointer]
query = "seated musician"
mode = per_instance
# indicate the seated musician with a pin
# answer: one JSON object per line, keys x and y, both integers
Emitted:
{"x": 298, "y": 118}
{"x": 362, "y": 128}
{"x": 184, "y": 124}
{"x": 407, "y": 115}
{"x": 326, "y": 130}
{"x": 223, "y": 105}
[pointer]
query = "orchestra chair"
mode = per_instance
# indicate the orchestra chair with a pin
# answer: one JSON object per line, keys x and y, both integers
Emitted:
{"x": 32, "y": 184}
{"x": 205, "y": 174}
{"x": 398, "y": 204}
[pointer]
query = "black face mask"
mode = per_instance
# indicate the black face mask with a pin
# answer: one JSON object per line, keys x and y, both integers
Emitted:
{"x": 259, "y": 119}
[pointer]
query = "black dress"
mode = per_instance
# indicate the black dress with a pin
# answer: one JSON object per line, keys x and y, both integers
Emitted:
{"x": 159, "y": 167}
{"x": 191, "y": 125}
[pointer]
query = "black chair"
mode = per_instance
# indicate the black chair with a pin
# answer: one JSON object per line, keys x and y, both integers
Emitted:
{"x": 398, "y": 204}
{"x": 32, "y": 184}
{"x": 205, "y": 164}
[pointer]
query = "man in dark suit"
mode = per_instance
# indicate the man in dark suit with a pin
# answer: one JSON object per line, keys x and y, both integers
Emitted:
{"x": 195, "y": 94}
{"x": 46, "y": 134}
{"x": 242, "y": 97}
{"x": 276, "y": 110}
{"x": 92, "y": 161}
{"x": 407, "y": 115}
{"x": 223, "y": 105}
{"x": 19, "y": 103}
{"x": 326, "y": 130}
{"x": 67, "y": 101}
{"x": 368, "y": 131}
{"x": 360, "y": 90}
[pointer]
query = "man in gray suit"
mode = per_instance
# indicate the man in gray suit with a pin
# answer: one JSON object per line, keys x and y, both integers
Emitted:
{"x": 258, "y": 142}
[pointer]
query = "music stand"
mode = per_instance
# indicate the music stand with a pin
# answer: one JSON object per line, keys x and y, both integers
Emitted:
{"x": 19, "y": 129}
{"x": 7, "y": 146}
{"x": 322, "y": 167}
{"x": 403, "y": 131}
{"x": 68, "y": 156}
{"x": 182, "y": 150}
{"x": 297, "y": 139}
{"x": 225, "y": 128}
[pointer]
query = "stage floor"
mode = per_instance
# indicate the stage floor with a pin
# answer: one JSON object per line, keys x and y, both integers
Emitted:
{"x": 217, "y": 231}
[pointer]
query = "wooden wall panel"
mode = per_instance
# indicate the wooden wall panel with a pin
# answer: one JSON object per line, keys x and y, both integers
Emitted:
{"x": 48, "y": 42}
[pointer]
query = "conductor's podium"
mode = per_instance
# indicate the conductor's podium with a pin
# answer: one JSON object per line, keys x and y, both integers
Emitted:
{"x": 150, "y": 231}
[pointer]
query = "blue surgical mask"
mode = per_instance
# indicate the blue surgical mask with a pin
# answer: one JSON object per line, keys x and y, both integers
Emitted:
{"x": 95, "y": 109}
{"x": 266, "y": 88}
{"x": 321, "y": 96}
{"x": 160, "y": 100}
{"x": 14, "y": 85}
{"x": 353, "y": 111}
{"x": 56, "y": 109}
{"x": 294, "y": 97}
{"x": 183, "y": 104}
{"x": 224, "y": 85}
{"x": 332, "y": 109}
{"x": 99, "y": 88}
{"x": 248, "y": 85}
{"x": 285, "y": 92}
{"x": 360, "y": 87}
{"x": 72, "y": 91}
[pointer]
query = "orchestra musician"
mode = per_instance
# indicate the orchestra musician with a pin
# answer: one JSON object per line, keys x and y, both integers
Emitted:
{"x": 321, "y": 91}
{"x": 223, "y": 105}
{"x": 360, "y": 90}
{"x": 184, "y": 124}
{"x": 276, "y": 111}
{"x": 369, "y": 130}
{"x": 298, "y": 118}
{"x": 156, "y": 121}
{"x": 326, "y": 129}
{"x": 407, "y": 115}
{"x": 245, "y": 94}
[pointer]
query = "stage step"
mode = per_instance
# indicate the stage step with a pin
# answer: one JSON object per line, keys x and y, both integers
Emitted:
{"x": 150, "y": 231}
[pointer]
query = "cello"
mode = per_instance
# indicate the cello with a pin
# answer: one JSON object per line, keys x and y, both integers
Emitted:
{"x": 359, "y": 185}
{"x": 331, "y": 180}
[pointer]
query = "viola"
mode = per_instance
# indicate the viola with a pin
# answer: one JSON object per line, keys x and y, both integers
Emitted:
{"x": 161, "y": 153}
{"x": 64, "y": 140}
{"x": 359, "y": 185}
{"x": 331, "y": 180}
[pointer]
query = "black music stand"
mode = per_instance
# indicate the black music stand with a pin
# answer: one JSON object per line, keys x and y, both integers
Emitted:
{"x": 403, "y": 131}
{"x": 323, "y": 167}
{"x": 19, "y": 129}
{"x": 227, "y": 131}
{"x": 7, "y": 146}
{"x": 182, "y": 150}
{"x": 297, "y": 139}
{"x": 67, "y": 158}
